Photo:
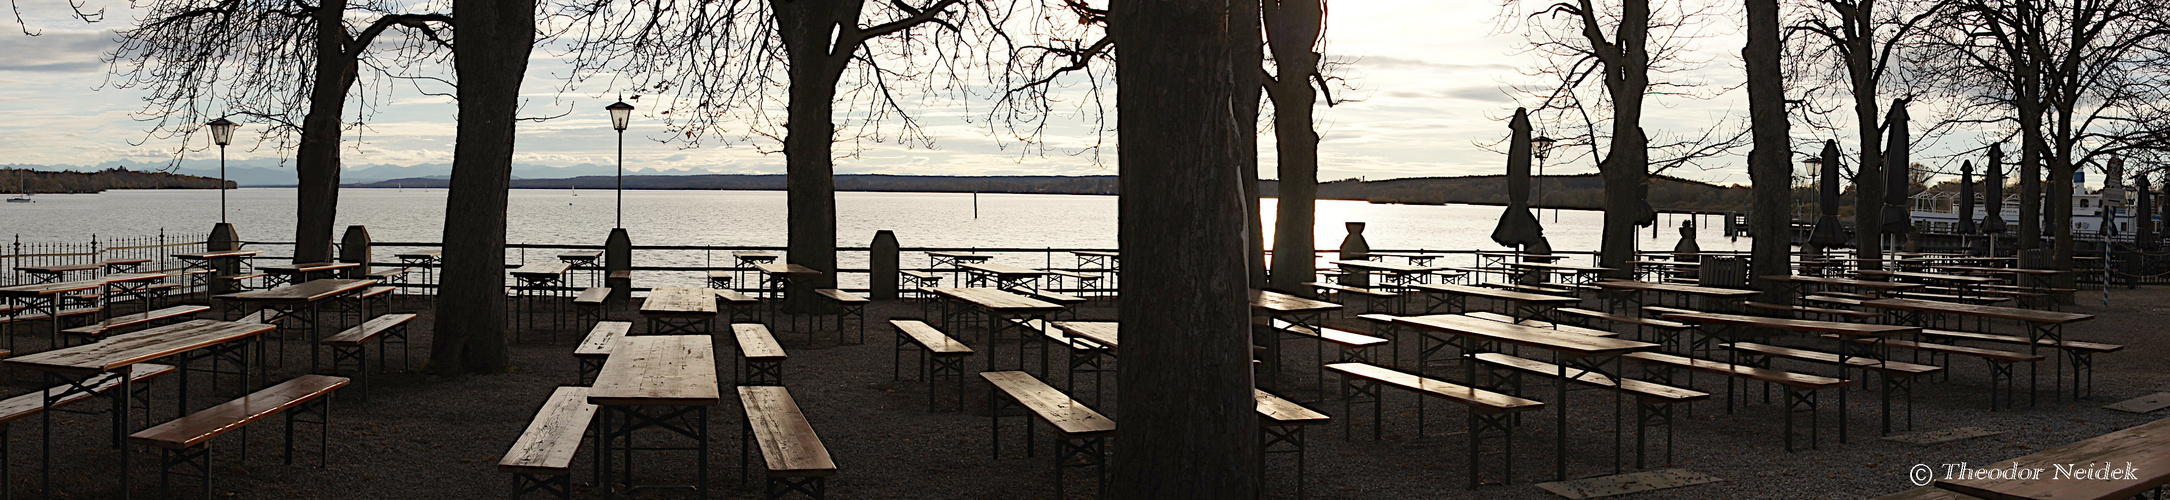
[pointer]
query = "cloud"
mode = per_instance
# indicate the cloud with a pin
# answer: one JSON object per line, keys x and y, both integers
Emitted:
{"x": 55, "y": 51}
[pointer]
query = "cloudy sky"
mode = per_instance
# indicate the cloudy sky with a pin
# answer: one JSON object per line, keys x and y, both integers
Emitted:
{"x": 1428, "y": 79}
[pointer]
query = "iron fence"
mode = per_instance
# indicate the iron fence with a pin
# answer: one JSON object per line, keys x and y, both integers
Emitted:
{"x": 158, "y": 249}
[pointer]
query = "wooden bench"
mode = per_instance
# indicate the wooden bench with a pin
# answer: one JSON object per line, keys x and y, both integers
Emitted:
{"x": 265, "y": 316}
{"x": 1653, "y": 401}
{"x": 374, "y": 297}
{"x": 1350, "y": 347}
{"x": 1800, "y": 388}
{"x": 33, "y": 404}
{"x": 1819, "y": 313}
{"x": 352, "y": 345}
{"x": 1664, "y": 333}
{"x": 719, "y": 279}
{"x": 2082, "y": 353}
{"x": 738, "y": 306}
{"x": 2000, "y": 362}
{"x": 1489, "y": 412}
{"x": 589, "y": 306}
{"x": 1374, "y": 300}
{"x": 920, "y": 281}
{"x": 1965, "y": 299}
{"x": 1082, "y": 433}
{"x": 116, "y": 266}
{"x": 240, "y": 281}
{"x": 595, "y": 348}
{"x": 761, "y": 357}
{"x": 396, "y": 276}
{"x": 1538, "y": 323}
{"x": 1085, "y": 282}
{"x": 542, "y": 458}
{"x": 92, "y": 332}
{"x": 947, "y": 354}
{"x": 793, "y": 454}
{"x": 851, "y": 306}
{"x": 1067, "y": 301}
{"x": 1281, "y": 425}
{"x": 187, "y": 440}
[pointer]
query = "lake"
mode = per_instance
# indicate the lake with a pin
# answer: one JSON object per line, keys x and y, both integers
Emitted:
{"x": 756, "y": 218}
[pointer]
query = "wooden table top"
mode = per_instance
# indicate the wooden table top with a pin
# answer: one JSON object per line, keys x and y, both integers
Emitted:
{"x": 1052, "y": 406}
{"x": 306, "y": 267}
{"x": 996, "y": 300}
{"x": 2006, "y": 270}
{"x": 432, "y": 254}
{"x": 1997, "y": 312}
{"x": 763, "y": 255}
{"x": 961, "y": 255}
{"x": 1707, "y": 291}
{"x": 787, "y": 440}
{"x": 227, "y": 254}
{"x": 1495, "y": 293}
{"x": 1003, "y": 269}
{"x": 1559, "y": 267}
{"x": 665, "y": 370}
{"x": 1926, "y": 276}
{"x": 1097, "y": 253}
{"x": 1833, "y": 327}
{"x": 1385, "y": 266}
{"x": 1573, "y": 345}
{"x": 1822, "y": 280}
{"x": 541, "y": 270}
{"x": 581, "y": 255}
{"x": 303, "y": 293}
{"x": 119, "y": 351}
{"x": 58, "y": 269}
{"x": 42, "y": 289}
{"x": 680, "y": 301}
{"x": 1281, "y": 303}
{"x": 786, "y": 270}
{"x": 2145, "y": 448}
{"x": 1279, "y": 411}
{"x": 1099, "y": 332}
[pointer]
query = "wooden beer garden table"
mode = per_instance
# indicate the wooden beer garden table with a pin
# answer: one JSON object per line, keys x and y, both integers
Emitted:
{"x": 1627, "y": 296}
{"x": 2143, "y": 449}
{"x": 1874, "y": 288}
{"x": 1398, "y": 276}
{"x": 1856, "y": 340}
{"x": 1583, "y": 275}
{"x": 42, "y": 298}
{"x": 1580, "y": 353}
{"x": 1524, "y": 305}
{"x": 2041, "y": 326}
{"x": 679, "y": 311}
{"x": 585, "y": 260}
{"x": 1004, "y": 311}
{"x": 81, "y": 369}
{"x": 294, "y": 274}
{"x": 1004, "y": 277}
{"x": 748, "y": 258}
{"x": 302, "y": 303}
{"x": 1297, "y": 311}
{"x": 56, "y": 273}
{"x": 777, "y": 277}
{"x": 662, "y": 382}
{"x": 1092, "y": 343}
{"x": 542, "y": 279}
{"x": 427, "y": 260}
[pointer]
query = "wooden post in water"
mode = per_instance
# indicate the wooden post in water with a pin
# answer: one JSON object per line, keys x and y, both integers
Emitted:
{"x": 882, "y": 260}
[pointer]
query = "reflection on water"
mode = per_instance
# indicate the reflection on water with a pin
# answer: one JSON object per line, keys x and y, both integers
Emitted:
{"x": 756, "y": 218}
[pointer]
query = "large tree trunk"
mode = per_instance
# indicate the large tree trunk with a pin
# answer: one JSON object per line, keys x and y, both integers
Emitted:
{"x": 2028, "y": 103}
{"x": 316, "y": 158}
{"x": 1626, "y": 167}
{"x": 2060, "y": 188}
{"x": 491, "y": 59}
{"x": 1770, "y": 169}
{"x": 1247, "y": 67}
{"x": 1189, "y": 427}
{"x": 1292, "y": 30}
{"x": 808, "y": 29}
{"x": 1869, "y": 175}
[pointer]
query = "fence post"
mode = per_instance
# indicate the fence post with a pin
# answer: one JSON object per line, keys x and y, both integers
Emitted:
{"x": 882, "y": 265}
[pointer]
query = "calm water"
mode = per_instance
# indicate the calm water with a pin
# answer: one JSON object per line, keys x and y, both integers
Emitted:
{"x": 756, "y": 218}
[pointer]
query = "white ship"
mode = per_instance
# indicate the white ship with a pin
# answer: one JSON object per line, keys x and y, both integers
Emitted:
{"x": 1939, "y": 210}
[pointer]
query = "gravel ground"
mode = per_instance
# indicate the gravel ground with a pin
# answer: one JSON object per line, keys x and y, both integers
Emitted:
{"x": 422, "y": 436}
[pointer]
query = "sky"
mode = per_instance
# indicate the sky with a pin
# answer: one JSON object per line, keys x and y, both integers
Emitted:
{"x": 1427, "y": 80}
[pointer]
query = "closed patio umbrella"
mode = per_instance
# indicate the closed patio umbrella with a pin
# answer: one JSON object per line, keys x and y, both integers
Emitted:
{"x": 1898, "y": 170}
{"x": 1827, "y": 233}
{"x": 1518, "y": 227}
{"x": 1993, "y": 222}
{"x": 1966, "y": 197}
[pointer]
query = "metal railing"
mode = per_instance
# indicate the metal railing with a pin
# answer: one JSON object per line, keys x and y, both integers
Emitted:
{"x": 158, "y": 248}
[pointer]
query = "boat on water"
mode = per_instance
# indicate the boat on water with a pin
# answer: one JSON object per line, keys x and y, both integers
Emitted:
{"x": 1939, "y": 210}
{"x": 22, "y": 195}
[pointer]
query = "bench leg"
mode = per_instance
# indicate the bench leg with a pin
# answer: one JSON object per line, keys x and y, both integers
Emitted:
{"x": 559, "y": 485}
{"x": 812, "y": 487}
{"x": 1090, "y": 452}
{"x": 198, "y": 458}
{"x": 1480, "y": 424}
{"x": 321, "y": 408}
{"x": 1292, "y": 437}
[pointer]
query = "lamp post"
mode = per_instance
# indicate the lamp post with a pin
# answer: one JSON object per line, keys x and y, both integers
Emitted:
{"x": 1814, "y": 164}
{"x": 620, "y": 113}
{"x": 1540, "y": 148}
{"x": 222, "y": 133}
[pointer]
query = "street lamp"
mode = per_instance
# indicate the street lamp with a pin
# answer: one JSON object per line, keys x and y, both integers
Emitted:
{"x": 620, "y": 113}
{"x": 1541, "y": 147}
{"x": 1814, "y": 165}
{"x": 222, "y": 133}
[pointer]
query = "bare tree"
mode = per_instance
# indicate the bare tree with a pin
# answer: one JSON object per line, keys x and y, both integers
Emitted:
{"x": 1849, "y": 50}
{"x": 288, "y": 63}
{"x": 1770, "y": 166}
{"x": 495, "y": 39}
{"x": 1188, "y": 423}
{"x": 1293, "y": 32}
{"x": 1620, "y": 48}
{"x": 719, "y": 67}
